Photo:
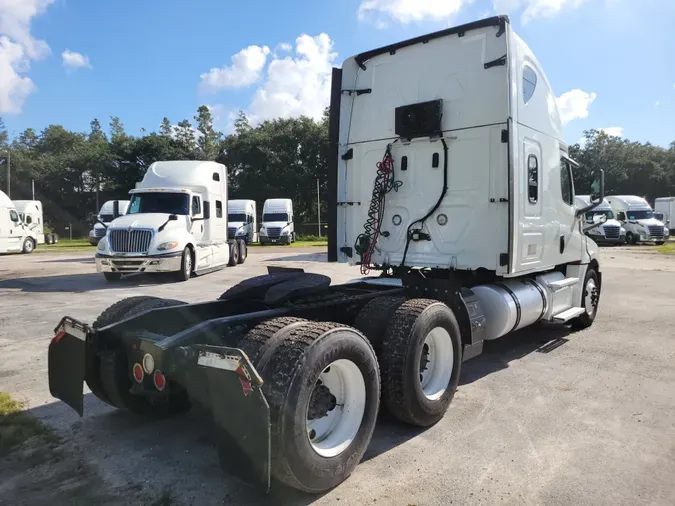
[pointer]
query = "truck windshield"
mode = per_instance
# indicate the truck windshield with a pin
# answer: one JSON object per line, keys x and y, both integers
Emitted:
{"x": 590, "y": 214}
{"x": 639, "y": 215}
{"x": 275, "y": 217}
{"x": 168, "y": 203}
{"x": 236, "y": 217}
{"x": 107, "y": 218}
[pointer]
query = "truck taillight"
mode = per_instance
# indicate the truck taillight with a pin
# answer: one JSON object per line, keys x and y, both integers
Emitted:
{"x": 58, "y": 336}
{"x": 159, "y": 380}
{"x": 138, "y": 372}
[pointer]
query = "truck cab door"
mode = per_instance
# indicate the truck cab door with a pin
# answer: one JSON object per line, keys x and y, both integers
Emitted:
{"x": 15, "y": 232}
{"x": 570, "y": 237}
{"x": 197, "y": 219}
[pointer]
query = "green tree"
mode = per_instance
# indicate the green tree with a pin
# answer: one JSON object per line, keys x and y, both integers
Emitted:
{"x": 208, "y": 140}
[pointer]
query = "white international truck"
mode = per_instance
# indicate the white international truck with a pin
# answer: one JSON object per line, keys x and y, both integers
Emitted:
{"x": 277, "y": 222}
{"x": 666, "y": 207}
{"x": 30, "y": 212}
{"x": 449, "y": 178}
{"x": 242, "y": 221}
{"x": 176, "y": 222}
{"x": 637, "y": 217}
{"x": 108, "y": 212}
{"x": 15, "y": 235}
{"x": 601, "y": 224}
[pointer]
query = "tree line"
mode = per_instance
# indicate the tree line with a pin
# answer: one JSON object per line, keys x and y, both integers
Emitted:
{"x": 75, "y": 172}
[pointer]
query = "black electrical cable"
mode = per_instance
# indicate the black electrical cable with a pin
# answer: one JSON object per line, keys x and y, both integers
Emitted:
{"x": 409, "y": 232}
{"x": 385, "y": 182}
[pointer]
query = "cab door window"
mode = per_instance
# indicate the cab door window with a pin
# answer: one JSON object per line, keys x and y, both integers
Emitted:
{"x": 566, "y": 184}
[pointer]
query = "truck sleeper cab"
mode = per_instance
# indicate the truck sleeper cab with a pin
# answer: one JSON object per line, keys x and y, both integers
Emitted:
{"x": 637, "y": 217}
{"x": 277, "y": 222}
{"x": 607, "y": 230}
{"x": 108, "y": 212}
{"x": 176, "y": 222}
{"x": 666, "y": 206}
{"x": 242, "y": 220}
{"x": 15, "y": 235}
{"x": 449, "y": 212}
{"x": 30, "y": 212}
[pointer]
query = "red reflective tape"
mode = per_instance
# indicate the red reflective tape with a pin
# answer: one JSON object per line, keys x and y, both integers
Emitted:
{"x": 246, "y": 387}
{"x": 58, "y": 337}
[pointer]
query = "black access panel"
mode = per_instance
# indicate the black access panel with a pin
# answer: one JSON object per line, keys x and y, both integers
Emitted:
{"x": 419, "y": 120}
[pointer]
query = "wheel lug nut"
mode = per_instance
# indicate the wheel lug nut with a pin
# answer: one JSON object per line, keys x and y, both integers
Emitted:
{"x": 312, "y": 434}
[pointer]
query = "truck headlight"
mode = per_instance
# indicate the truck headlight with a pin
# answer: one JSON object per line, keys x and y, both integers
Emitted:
{"x": 263, "y": 231}
{"x": 101, "y": 244}
{"x": 285, "y": 232}
{"x": 165, "y": 246}
{"x": 241, "y": 231}
{"x": 666, "y": 231}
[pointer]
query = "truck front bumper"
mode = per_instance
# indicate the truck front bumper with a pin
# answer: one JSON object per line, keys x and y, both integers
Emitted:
{"x": 170, "y": 262}
{"x": 601, "y": 239}
{"x": 282, "y": 239}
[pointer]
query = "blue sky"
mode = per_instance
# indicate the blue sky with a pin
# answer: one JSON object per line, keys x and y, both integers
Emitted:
{"x": 611, "y": 62}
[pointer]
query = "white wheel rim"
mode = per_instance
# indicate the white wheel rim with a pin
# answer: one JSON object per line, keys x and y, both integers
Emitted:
{"x": 591, "y": 289}
{"x": 188, "y": 264}
{"x": 29, "y": 246}
{"x": 436, "y": 373}
{"x": 331, "y": 434}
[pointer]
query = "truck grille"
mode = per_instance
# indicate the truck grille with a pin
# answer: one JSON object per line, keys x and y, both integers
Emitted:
{"x": 612, "y": 231}
{"x": 274, "y": 233}
{"x": 130, "y": 241}
{"x": 656, "y": 230}
{"x": 231, "y": 232}
{"x": 100, "y": 232}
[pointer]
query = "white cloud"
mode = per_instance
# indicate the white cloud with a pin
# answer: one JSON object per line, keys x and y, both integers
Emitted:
{"x": 296, "y": 85}
{"x": 285, "y": 46}
{"x": 574, "y": 104}
{"x": 408, "y": 11}
{"x": 74, "y": 60}
{"x": 17, "y": 48}
{"x": 657, "y": 103}
{"x": 13, "y": 88}
{"x": 533, "y": 9}
{"x": 613, "y": 131}
{"x": 247, "y": 66}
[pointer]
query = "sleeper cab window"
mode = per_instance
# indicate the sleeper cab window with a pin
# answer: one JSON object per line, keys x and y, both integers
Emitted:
{"x": 532, "y": 179}
{"x": 219, "y": 209}
{"x": 529, "y": 83}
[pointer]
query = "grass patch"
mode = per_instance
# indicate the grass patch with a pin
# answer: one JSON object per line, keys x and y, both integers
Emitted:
{"x": 16, "y": 426}
{"x": 667, "y": 249}
{"x": 66, "y": 246}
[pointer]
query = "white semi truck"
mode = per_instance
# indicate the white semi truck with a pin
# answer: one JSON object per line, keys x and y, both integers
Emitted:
{"x": 108, "y": 212}
{"x": 176, "y": 222}
{"x": 15, "y": 234}
{"x": 277, "y": 222}
{"x": 450, "y": 179}
{"x": 637, "y": 217}
{"x": 242, "y": 222}
{"x": 601, "y": 224}
{"x": 30, "y": 212}
{"x": 666, "y": 207}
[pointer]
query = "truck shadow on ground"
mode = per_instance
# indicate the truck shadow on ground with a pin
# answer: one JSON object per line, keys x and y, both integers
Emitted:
{"x": 80, "y": 260}
{"x": 302, "y": 257}
{"x": 79, "y": 283}
{"x": 179, "y": 455}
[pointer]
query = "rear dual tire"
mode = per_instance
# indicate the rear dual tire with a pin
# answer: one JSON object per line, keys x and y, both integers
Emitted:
{"x": 109, "y": 378}
{"x": 323, "y": 387}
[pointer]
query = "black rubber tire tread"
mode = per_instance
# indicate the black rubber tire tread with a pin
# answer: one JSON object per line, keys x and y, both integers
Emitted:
{"x": 119, "y": 311}
{"x": 131, "y": 306}
{"x": 660, "y": 243}
{"x": 55, "y": 238}
{"x": 306, "y": 284}
{"x": 243, "y": 251}
{"x": 234, "y": 254}
{"x": 375, "y": 316}
{"x": 258, "y": 340}
{"x": 286, "y": 363}
{"x": 394, "y": 362}
{"x": 584, "y": 321}
{"x": 257, "y": 286}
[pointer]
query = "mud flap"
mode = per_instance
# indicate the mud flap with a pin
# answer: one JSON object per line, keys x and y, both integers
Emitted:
{"x": 67, "y": 363}
{"x": 240, "y": 413}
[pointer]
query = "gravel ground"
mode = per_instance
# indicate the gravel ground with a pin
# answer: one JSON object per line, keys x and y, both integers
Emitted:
{"x": 542, "y": 417}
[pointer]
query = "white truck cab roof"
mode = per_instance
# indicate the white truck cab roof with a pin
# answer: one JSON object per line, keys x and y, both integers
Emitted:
{"x": 182, "y": 175}
{"x": 629, "y": 201}
{"x": 585, "y": 200}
